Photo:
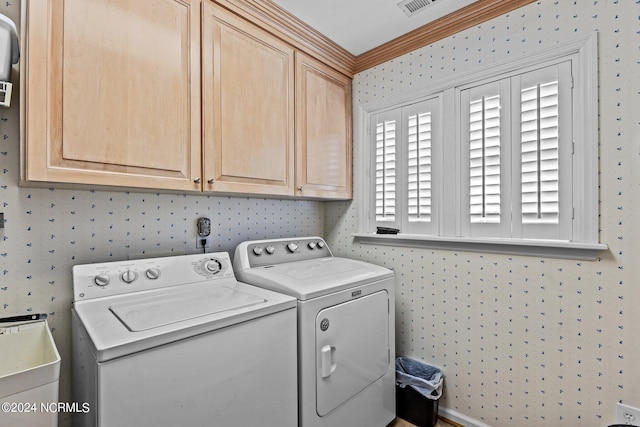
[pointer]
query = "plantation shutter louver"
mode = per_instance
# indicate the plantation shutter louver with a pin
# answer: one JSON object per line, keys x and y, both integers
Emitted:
{"x": 540, "y": 153}
{"x": 386, "y": 140}
{"x": 484, "y": 157}
{"x": 419, "y": 167}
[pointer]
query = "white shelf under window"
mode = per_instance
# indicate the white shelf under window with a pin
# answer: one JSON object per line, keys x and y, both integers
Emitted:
{"x": 526, "y": 247}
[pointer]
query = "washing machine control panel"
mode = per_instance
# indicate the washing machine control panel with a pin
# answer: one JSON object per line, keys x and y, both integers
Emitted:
{"x": 120, "y": 277}
{"x": 278, "y": 251}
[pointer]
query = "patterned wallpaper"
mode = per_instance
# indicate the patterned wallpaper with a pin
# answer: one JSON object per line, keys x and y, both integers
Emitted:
{"x": 526, "y": 341}
{"x": 47, "y": 231}
{"x": 523, "y": 341}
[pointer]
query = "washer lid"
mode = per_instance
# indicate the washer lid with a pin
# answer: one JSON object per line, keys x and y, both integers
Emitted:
{"x": 313, "y": 278}
{"x": 124, "y": 324}
{"x": 157, "y": 310}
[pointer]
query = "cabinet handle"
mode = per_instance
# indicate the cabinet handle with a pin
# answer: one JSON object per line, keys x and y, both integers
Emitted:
{"x": 211, "y": 181}
{"x": 197, "y": 180}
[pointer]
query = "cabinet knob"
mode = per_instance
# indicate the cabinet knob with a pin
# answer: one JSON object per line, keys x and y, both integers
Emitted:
{"x": 300, "y": 188}
{"x": 211, "y": 181}
{"x": 197, "y": 180}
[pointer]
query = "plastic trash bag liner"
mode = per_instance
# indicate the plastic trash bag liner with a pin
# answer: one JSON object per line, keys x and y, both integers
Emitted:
{"x": 425, "y": 379}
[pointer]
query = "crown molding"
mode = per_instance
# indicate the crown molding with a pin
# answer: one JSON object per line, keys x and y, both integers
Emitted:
{"x": 474, "y": 14}
{"x": 294, "y": 31}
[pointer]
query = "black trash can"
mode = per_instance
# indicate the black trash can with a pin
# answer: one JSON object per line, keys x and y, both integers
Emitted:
{"x": 418, "y": 391}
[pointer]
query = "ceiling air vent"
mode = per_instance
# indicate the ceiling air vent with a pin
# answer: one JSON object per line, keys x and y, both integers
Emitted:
{"x": 411, "y": 7}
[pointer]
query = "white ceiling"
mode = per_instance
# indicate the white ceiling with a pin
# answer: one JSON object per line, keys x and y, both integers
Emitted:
{"x": 361, "y": 25}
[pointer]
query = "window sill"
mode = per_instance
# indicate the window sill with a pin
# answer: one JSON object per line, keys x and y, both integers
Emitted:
{"x": 540, "y": 248}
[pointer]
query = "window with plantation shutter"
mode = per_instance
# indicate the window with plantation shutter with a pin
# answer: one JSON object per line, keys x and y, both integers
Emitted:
{"x": 516, "y": 156}
{"x": 405, "y": 140}
{"x": 502, "y": 157}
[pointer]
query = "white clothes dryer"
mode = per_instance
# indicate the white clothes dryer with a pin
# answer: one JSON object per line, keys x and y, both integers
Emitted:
{"x": 346, "y": 328}
{"x": 178, "y": 341}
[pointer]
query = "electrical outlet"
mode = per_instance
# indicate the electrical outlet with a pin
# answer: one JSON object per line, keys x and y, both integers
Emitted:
{"x": 207, "y": 242}
{"x": 628, "y": 415}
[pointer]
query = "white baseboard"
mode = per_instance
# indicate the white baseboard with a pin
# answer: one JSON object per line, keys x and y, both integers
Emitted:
{"x": 459, "y": 418}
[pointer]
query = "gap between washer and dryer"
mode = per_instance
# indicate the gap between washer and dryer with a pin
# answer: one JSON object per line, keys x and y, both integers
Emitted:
{"x": 399, "y": 422}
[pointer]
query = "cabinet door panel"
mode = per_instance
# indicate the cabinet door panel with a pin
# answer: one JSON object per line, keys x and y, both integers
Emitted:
{"x": 248, "y": 107}
{"x": 122, "y": 93}
{"x": 323, "y": 137}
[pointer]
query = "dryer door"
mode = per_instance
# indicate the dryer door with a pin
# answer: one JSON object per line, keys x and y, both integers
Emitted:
{"x": 352, "y": 348}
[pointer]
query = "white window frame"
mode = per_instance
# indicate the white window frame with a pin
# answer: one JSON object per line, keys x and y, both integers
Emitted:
{"x": 451, "y": 232}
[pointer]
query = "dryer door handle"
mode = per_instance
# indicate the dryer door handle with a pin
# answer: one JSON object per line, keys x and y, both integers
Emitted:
{"x": 327, "y": 360}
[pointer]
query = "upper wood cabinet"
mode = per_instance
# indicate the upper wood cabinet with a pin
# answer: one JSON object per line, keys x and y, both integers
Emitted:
{"x": 323, "y": 131}
{"x": 187, "y": 95}
{"x": 248, "y": 106}
{"x": 112, "y": 93}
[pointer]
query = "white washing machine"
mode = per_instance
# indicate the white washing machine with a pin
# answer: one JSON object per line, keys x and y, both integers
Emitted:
{"x": 346, "y": 328}
{"x": 178, "y": 341}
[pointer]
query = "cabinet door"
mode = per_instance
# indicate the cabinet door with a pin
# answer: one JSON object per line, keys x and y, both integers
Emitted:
{"x": 323, "y": 131}
{"x": 248, "y": 107}
{"x": 113, "y": 93}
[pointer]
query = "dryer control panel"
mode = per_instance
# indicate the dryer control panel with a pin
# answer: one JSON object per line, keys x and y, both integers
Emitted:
{"x": 260, "y": 253}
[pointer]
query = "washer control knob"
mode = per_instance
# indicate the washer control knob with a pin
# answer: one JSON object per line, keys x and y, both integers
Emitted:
{"x": 129, "y": 276}
{"x": 291, "y": 247}
{"x": 321, "y": 244}
{"x": 213, "y": 266}
{"x": 152, "y": 273}
{"x": 101, "y": 280}
{"x": 270, "y": 250}
{"x": 312, "y": 245}
{"x": 257, "y": 250}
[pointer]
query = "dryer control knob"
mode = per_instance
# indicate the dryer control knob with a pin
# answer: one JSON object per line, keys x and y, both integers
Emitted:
{"x": 257, "y": 250}
{"x": 129, "y": 276}
{"x": 270, "y": 250}
{"x": 152, "y": 273}
{"x": 312, "y": 245}
{"x": 101, "y": 280}
{"x": 291, "y": 247}
{"x": 321, "y": 244}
